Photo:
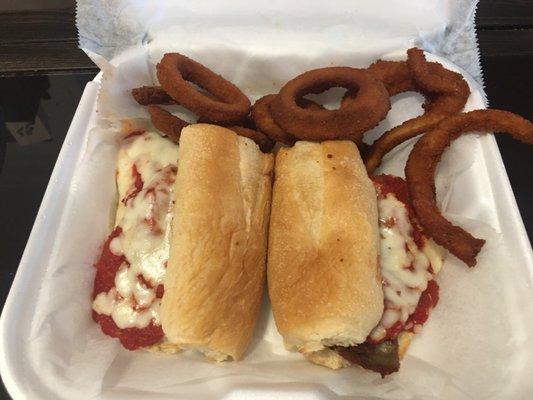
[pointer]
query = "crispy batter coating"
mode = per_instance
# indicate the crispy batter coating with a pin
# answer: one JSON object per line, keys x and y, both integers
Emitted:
{"x": 228, "y": 104}
{"x": 146, "y": 95}
{"x": 423, "y": 161}
{"x": 266, "y": 124}
{"x": 167, "y": 123}
{"x": 356, "y": 115}
{"x": 401, "y": 76}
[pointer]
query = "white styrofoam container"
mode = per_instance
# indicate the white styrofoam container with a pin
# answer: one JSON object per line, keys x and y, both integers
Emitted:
{"x": 491, "y": 186}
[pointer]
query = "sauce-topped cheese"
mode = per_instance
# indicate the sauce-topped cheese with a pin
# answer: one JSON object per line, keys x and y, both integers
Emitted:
{"x": 131, "y": 269}
{"x": 409, "y": 261}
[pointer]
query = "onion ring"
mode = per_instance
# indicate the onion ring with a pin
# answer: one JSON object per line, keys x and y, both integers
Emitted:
{"x": 263, "y": 141}
{"x": 266, "y": 124}
{"x": 424, "y": 77}
{"x": 229, "y": 104}
{"x": 400, "y": 77}
{"x": 395, "y": 76}
{"x": 167, "y": 123}
{"x": 350, "y": 121}
{"x": 262, "y": 117}
{"x": 170, "y": 126}
{"x": 146, "y": 95}
{"x": 422, "y": 163}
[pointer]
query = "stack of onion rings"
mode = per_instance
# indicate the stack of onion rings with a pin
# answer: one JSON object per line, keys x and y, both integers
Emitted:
{"x": 287, "y": 117}
{"x": 299, "y": 121}
{"x": 446, "y": 98}
{"x": 422, "y": 163}
{"x": 355, "y": 116}
{"x": 173, "y": 72}
{"x": 446, "y": 93}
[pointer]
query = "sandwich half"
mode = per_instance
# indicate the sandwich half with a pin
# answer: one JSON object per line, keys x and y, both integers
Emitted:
{"x": 185, "y": 263}
{"x": 334, "y": 300}
{"x": 324, "y": 280}
{"x": 216, "y": 269}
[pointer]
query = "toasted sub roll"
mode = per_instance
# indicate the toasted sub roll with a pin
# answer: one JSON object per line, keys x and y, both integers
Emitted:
{"x": 323, "y": 276}
{"x": 216, "y": 269}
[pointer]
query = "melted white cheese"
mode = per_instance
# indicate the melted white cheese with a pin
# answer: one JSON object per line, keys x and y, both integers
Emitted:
{"x": 124, "y": 311}
{"x": 405, "y": 268}
{"x": 149, "y": 152}
{"x": 145, "y": 239}
{"x": 146, "y": 245}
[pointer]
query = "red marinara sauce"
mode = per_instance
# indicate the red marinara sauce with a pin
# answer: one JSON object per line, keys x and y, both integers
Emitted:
{"x": 397, "y": 186}
{"x": 392, "y": 332}
{"x": 138, "y": 184}
{"x": 131, "y": 134}
{"x": 106, "y": 269}
{"x": 428, "y": 300}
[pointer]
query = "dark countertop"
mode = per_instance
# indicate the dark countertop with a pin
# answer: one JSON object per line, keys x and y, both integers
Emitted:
{"x": 43, "y": 73}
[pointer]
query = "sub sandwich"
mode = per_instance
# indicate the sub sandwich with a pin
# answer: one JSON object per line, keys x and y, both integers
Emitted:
{"x": 184, "y": 266}
{"x": 350, "y": 274}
